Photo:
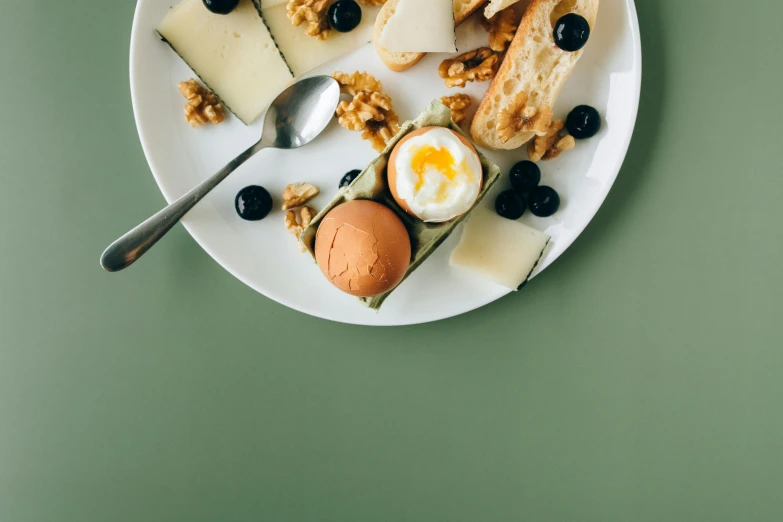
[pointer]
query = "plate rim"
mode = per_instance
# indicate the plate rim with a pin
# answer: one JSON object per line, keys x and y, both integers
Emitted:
{"x": 145, "y": 145}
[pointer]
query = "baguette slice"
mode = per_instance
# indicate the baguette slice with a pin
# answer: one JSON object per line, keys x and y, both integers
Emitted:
{"x": 533, "y": 64}
{"x": 402, "y": 61}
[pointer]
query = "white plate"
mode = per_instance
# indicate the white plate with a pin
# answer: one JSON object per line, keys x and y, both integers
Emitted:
{"x": 265, "y": 256}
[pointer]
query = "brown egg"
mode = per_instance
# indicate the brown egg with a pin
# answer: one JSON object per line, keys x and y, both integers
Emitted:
{"x": 363, "y": 248}
{"x": 391, "y": 171}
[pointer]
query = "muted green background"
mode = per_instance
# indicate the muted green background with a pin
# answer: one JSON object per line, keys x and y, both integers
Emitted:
{"x": 639, "y": 379}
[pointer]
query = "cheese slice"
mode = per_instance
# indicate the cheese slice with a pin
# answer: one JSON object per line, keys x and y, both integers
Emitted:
{"x": 418, "y": 26}
{"x": 233, "y": 54}
{"x": 304, "y": 53}
{"x": 500, "y": 249}
{"x": 495, "y": 6}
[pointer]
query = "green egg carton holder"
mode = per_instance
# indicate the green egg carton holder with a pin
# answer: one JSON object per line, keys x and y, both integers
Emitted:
{"x": 372, "y": 184}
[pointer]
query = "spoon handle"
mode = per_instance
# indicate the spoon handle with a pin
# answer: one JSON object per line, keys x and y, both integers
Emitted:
{"x": 130, "y": 247}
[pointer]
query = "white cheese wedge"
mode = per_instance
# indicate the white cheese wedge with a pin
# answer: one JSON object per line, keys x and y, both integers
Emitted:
{"x": 420, "y": 26}
{"x": 304, "y": 53}
{"x": 495, "y": 6}
{"x": 500, "y": 249}
{"x": 233, "y": 54}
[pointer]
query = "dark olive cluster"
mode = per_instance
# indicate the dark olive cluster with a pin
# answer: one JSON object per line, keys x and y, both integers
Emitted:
{"x": 527, "y": 193}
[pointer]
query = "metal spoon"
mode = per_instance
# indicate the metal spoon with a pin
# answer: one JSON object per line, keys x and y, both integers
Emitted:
{"x": 295, "y": 118}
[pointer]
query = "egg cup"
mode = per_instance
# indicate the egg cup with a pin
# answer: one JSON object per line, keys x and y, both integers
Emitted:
{"x": 372, "y": 184}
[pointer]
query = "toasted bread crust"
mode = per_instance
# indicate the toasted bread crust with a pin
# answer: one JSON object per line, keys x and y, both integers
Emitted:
{"x": 399, "y": 62}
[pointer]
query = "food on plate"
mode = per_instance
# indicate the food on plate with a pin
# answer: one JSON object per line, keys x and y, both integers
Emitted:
{"x": 321, "y": 16}
{"x": 510, "y": 205}
{"x": 478, "y": 65}
{"x": 524, "y": 176}
{"x": 434, "y": 174}
{"x": 459, "y": 104}
{"x": 583, "y": 122}
{"x": 414, "y": 26}
{"x": 571, "y": 32}
{"x": 249, "y": 55}
{"x": 298, "y": 194}
{"x": 345, "y": 15}
{"x": 519, "y": 116}
{"x": 551, "y": 144}
{"x": 370, "y": 111}
{"x": 373, "y": 115}
{"x": 349, "y": 177}
{"x": 356, "y": 82}
{"x": 533, "y": 65}
{"x": 496, "y": 6}
{"x": 296, "y": 220}
{"x": 302, "y": 52}
{"x": 502, "y": 27}
{"x": 502, "y": 250}
{"x": 233, "y": 54}
{"x": 253, "y": 203}
{"x": 314, "y": 12}
{"x": 429, "y": 177}
{"x": 371, "y": 184}
{"x": 402, "y": 61}
{"x": 202, "y": 106}
{"x": 543, "y": 201}
{"x": 221, "y": 6}
{"x": 363, "y": 248}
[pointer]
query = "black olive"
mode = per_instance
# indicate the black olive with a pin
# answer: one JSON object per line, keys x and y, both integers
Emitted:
{"x": 221, "y": 6}
{"x": 253, "y": 203}
{"x": 571, "y": 32}
{"x": 345, "y": 15}
{"x": 583, "y": 122}
{"x": 510, "y": 205}
{"x": 543, "y": 201}
{"x": 524, "y": 176}
{"x": 348, "y": 178}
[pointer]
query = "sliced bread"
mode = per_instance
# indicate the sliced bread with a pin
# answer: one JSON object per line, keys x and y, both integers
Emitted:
{"x": 534, "y": 65}
{"x": 402, "y": 61}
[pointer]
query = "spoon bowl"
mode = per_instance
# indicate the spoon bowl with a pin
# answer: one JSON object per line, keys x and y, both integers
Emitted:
{"x": 296, "y": 117}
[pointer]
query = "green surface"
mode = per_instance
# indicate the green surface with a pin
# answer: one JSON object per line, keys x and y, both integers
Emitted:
{"x": 639, "y": 379}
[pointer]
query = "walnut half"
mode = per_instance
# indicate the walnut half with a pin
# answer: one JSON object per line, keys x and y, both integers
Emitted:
{"x": 314, "y": 12}
{"x": 370, "y": 111}
{"x": 552, "y": 144}
{"x": 356, "y": 82}
{"x": 203, "y": 106}
{"x": 502, "y": 27}
{"x": 298, "y": 194}
{"x": 297, "y": 220}
{"x": 519, "y": 117}
{"x": 478, "y": 65}
{"x": 458, "y": 103}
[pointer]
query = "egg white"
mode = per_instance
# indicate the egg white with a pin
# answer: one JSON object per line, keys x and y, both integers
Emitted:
{"x": 460, "y": 194}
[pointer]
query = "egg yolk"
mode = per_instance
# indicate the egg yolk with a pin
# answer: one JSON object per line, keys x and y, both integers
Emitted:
{"x": 441, "y": 160}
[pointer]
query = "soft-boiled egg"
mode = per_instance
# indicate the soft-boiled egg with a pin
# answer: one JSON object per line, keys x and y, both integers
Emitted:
{"x": 435, "y": 174}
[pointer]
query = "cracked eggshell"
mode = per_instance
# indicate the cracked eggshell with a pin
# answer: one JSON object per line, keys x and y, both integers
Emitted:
{"x": 391, "y": 171}
{"x": 363, "y": 248}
